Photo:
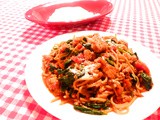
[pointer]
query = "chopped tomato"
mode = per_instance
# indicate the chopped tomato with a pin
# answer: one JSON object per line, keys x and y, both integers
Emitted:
{"x": 76, "y": 41}
{"x": 114, "y": 48}
{"x": 80, "y": 56}
{"x": 79, "y": 46}
{"x": 78, "y": 59}
{"x": 142, "y": 66}
{"x": 127, "y": 83}
{"x": 118, "y": 90}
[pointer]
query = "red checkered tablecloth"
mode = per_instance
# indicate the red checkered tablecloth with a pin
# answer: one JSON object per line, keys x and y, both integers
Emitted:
{"x": 139, "y": 19}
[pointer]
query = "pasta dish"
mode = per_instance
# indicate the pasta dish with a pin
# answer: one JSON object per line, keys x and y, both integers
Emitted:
{"x": 96, "y": 74}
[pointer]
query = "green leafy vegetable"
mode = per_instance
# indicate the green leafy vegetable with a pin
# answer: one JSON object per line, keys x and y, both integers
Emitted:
{"x": 67, "y": 63}
{"x": 85, "y": 39}
{"x": 69, "y": 41}
{"x": 52, "y": 68}
{"x": 136, "y": 55}
{"x": 87, "y": 46}
{"x": 67, "y": 50}
{"x": 146, "y": 81}
{"x": 66, "y": 80}
{"x": 71, "y": 91}
{"x": 121, "y": 50}
{"x": 62, "y": 71}
{"x": 124, "y": 51}
{"x": 97, "y": 105}
{"x": 88, "y": 110}
{"x": 67, "y": 53}
{"x": 110, "y": 61}
{"x": 113, "y": 41}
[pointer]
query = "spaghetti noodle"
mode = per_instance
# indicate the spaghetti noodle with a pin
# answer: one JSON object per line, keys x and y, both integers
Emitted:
{"x": 96, "y": 74}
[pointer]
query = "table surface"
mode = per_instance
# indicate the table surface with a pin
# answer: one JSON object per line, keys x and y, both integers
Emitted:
{"x": 139, "y": 19}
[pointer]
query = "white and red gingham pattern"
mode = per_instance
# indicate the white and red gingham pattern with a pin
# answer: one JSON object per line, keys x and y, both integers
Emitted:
{"x": 139, "y": 19}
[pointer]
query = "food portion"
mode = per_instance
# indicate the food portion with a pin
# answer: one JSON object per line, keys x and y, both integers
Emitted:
{"x": 96, "y": 74}
{"x": 80, "y": 14}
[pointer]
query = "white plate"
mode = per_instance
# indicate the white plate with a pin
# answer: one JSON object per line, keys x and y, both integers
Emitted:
{"x": 140, "y": 109}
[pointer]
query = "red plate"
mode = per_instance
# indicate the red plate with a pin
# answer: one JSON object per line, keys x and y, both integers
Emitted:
{"x": 40, "y": 14}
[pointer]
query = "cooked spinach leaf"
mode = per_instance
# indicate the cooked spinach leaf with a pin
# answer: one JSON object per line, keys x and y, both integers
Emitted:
{"x": 62, "y": 71}
{"x": 146, "y": 81}
{"x": 69, "y": 41}
{"x": 85, "y": 39}
{"x": 88, "y": 110}
{"x": 52, "y": 68}
{"x": 87, "y": 46}
{"x": 110, "y": 61}
{"x": 67, "y": 63}
{"x": 66, "y": 80}
{"x": 67, "y": 52}
{"x": 95, "y": 105}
